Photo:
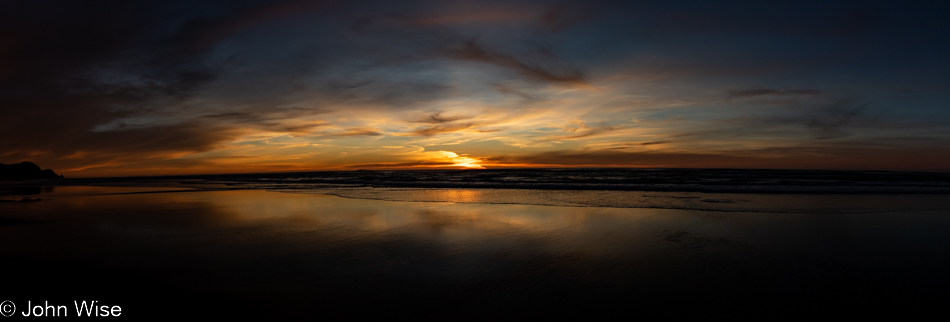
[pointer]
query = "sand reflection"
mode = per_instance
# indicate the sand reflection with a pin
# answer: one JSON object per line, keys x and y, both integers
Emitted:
{"x": 339, "y": 254}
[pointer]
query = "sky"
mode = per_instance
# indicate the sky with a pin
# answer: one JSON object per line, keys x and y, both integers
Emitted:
{"x": 127, "y": 88}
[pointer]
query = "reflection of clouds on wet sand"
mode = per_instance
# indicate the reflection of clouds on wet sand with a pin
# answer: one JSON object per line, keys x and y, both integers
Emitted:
{"x": 729, "y": 202}
{"x": 331, "y": 252}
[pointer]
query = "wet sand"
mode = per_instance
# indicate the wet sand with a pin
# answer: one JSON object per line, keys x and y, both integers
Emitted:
{"x": 284, "y": 255}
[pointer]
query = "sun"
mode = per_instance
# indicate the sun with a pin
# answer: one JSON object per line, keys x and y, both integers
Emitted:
{"x": 460, "y": 161}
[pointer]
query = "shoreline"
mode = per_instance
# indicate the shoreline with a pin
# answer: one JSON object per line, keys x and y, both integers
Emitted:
{"x": 751, "y": 181}
{"x": 841, "y": 203}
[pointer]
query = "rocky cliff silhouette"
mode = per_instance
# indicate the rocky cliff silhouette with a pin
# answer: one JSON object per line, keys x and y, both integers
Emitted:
{"x": 25, "y": 170}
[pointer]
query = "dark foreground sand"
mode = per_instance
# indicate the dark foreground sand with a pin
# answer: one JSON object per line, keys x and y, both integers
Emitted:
{"x": 255, "y": 253}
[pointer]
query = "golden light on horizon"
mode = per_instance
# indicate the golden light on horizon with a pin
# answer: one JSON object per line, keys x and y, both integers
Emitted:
{"x": 463, "y": 86}
{"x": 461, "y": 161}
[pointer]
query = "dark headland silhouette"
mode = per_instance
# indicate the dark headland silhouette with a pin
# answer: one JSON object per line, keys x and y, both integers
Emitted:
{"x": 24, "y": 171}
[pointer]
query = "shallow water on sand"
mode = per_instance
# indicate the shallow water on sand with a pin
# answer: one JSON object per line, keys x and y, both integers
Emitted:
{"x": 811, "y": 203}
{"x": 254, "y": 252}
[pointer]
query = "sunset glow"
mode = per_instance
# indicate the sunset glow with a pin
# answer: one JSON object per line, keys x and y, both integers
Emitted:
{"x": 270, "y": 85}
{"x": 485, "y": 160}
{"x": 462, "y": 161}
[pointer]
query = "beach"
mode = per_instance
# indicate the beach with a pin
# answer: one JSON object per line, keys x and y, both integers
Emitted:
{"x": 309, "y": 160}
{"x": 174, "y": 252}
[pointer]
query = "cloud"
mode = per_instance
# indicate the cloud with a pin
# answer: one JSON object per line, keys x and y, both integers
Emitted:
{"x": 620, "y": 159}
{"x": 832, "y": 121}
{"x": 584, "y": 134}
{"x": 543, "y": 66}
{"x": 162, "y": 83}
{"x": 291, "y": 127}
{"x": 580, "y": 130}
{"x": 826, "y": 117}
{"x": 398, "y": 165}
{"x": 439, "y": 129}
{"x": 438, "y": 118}
{"x": 108, "y": 84}
{"x": 354, "y": 132}
{"x": 512, "y": 91}
{"x": 754, "y": 92}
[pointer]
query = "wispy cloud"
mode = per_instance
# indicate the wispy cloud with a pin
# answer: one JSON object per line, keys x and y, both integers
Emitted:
{"x": 439, "y": 118}
{"x": 292, "y": 84}
{"x": 753, "y": 92}
{"x": 442, "y": 128}
{"x": 826, "y": 117}
{"x": 542, "y": 66}
{"x": 354, "y": 132}
{"x": 398, "y": 165}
